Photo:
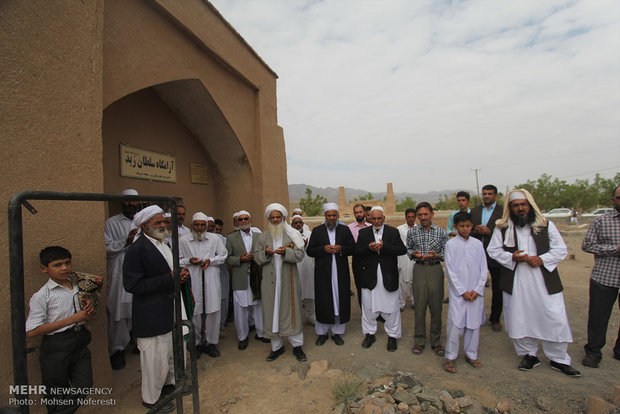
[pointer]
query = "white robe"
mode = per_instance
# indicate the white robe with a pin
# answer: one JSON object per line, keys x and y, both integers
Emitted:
{"x": 405, "y": 267}
{"x": 466, "y": 269}
{"x": 531, "y": 312}
{"x": 116, "y": 230}
{"x": 210, "y": 248}
{"x": 306, "y": 273}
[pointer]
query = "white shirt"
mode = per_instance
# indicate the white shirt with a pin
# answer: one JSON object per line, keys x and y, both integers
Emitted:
{"x": 52, "y": 303}
{"x": 379, "y": 299}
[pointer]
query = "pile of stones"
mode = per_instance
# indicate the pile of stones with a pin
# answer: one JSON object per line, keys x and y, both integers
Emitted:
{"x": 406, "y": 394}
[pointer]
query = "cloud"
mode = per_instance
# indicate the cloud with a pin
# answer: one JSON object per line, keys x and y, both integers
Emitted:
{"x": 419, "y": 93}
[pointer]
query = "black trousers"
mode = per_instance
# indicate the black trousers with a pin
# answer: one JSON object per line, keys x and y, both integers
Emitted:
{"x": 65, "y": 362}
{"x": 497, "y": 298}
{"x": 602, "y": 299}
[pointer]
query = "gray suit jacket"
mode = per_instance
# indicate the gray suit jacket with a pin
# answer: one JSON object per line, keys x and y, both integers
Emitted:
{"x": 240, "y": 270}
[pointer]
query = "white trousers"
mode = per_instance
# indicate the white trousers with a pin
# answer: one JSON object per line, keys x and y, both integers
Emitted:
{"x": 405, "y": 282}
{"x": 322, "y": 328}
{"x": 157, "y": 365}
{"x": 295, "y": 340}
{"x": 242, "y": 319}
{"x": 555, "y": 351}
{"x": 118, "y": 334}
{"x": 471, "y": 338}
{"x": 309, "y": 308}
{"x": 392, "y": 323}
{"x": 212, "y": 327}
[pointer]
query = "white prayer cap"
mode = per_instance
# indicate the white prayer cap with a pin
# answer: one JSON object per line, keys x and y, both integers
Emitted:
{"x": 377, "y": 208}
{"x": 243, "y": 213}
{"x": 209, "y": 218}
{"x": 296, "y": 216}
{"x": 129, "y": 191}
{"x": 276, "y": 207}
{"x": 146, "y": 214}
{"x": 200, "y": 216}
{"x": 329, "y": 206}
{"x": 166, "y": 215}
{"x": 516, "y": 195}
{"x": 297, "y": 210}
{"x": 236, "y": 214}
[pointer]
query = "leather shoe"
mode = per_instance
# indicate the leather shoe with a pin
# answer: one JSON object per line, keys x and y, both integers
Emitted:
{"x": 591, "y": 361}
{"x": 567, "y": 369}
{"x": 243, "y": 344}
{"x": 528, "y": 362}
{"x": 168, "y": 408}
{"x": 368, "y": 341}
{"x": 273, "y": 355}
{"x": 262, "y": 339}
{"x": 299, "y": 354}
{"x": 212, "y": 351}
{"x": 117, "y": 360}
{"x": 169, "y": 389}
{"x": 439, "y": 350}
{"x": 391, "y": 346}
{"x": 497, "y": 326}
{"x": 417, "y": 349}
{"x": 337, "y": 339}
{"x": 320, "y": 340}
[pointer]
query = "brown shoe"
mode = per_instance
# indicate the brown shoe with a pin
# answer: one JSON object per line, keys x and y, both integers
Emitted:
{"x": 449, "y": 366}
{"x": 497, "y": 327}
{"x": 439, "y": 350}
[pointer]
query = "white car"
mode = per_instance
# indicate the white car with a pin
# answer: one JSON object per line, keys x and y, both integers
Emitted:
{"x": 558, "y": 212}
{"x": 598, "y": 212}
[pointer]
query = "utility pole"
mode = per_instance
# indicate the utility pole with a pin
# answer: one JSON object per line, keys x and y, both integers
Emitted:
{"x": 477, "y": 185}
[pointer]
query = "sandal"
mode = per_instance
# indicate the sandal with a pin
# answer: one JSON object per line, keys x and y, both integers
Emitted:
{"x": 439, "y": 350}
{"x": 449, "y": 366}
{"x": 417, "y": 349}
{"x": 474, "y": 362}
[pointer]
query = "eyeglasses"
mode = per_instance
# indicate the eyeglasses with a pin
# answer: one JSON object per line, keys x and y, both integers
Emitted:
{"x": 243, "y": 219}
{"x": 617, "y": 198}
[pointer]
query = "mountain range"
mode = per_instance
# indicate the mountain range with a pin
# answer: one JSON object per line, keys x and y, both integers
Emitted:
{"x": 298, "y": 191}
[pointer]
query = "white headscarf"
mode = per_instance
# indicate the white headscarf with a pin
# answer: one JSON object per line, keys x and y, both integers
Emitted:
{"x": 291, "y": 232}
{"x": 506, "y": 223}
{"x": 329, "y": 206}
{"x": 146, "y": 214}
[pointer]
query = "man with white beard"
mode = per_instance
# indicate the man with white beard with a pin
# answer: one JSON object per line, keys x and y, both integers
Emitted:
{"x": 245, "y": 275}
{"x": 306, "y": 272}
{"x": 405, "y": 265}
{"x": 203, "y": 252}
{"x": 148, "y": 275}
{"x": 278, "y": 250}
{"x": 118, "y": 237}
{"x": 529, "y": 249}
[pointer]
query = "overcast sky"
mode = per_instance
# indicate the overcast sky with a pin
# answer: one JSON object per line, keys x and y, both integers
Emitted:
{"x": 419, "y": 93}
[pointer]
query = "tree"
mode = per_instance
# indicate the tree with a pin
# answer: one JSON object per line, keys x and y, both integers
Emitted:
{"x": 366, "y": 197}
{"x": 312, "y": 206}
{"x": 405, "y": 204}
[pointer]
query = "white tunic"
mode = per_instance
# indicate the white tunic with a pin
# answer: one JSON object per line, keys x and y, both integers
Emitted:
{"x": 332, "y": 240}
{"x": 405, "y": 265}
{"x": 466, "y": 269}
{"x": 210, "y": 248}
{"x": 531, "y": 312}
{"x": 306, "y": 272}
{"x": 116, "y": 230}
{"x": 379, "y": 299}
{"x": 277, "y": 267}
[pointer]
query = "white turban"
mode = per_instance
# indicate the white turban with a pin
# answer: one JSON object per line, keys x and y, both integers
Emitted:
{"x": 377, "y": 208}
{"x": 200, "y": 216}
{"x": 516, "y": 195}
{"x": 242, "y": 213}
{"x": 276, "y": 207}
{"x": 296, "y": 216}
{"x": 236, "y": 214}
{"x": 166, "y": 215}
{"x": 129, "y": 191}
{"x": 329, "y": 206}
{"x": 146, "y": 214}
{"x": 210, "y": 218}
{"x": 295, "y": 210}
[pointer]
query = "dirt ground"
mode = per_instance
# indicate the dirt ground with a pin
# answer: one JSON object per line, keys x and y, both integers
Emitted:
{"x": 243, "y": 382}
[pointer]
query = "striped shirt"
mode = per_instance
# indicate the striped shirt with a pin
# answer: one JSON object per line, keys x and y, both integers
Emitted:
{"x": 434, "y": 239}
{"x": 602, "y": 240}
{"x": 52, "y": 303}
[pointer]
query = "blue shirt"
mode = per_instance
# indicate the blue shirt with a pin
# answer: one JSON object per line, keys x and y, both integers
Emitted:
{"x": 486, "y": 213}
{"x": 450, "y": 227}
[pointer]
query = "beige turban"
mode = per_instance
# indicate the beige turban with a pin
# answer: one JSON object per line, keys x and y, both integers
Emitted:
{"x": 146, "y": 214}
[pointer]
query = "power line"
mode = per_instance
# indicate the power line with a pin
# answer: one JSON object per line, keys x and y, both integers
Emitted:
{"x": 590, "y": 172}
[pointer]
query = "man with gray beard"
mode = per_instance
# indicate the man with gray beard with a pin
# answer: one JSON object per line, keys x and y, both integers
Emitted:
{"x": 203, "y": 253}
{"x": 330, "y": 244}
{"x": 148, "y": 275}
{"x": 278, "y": 250}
